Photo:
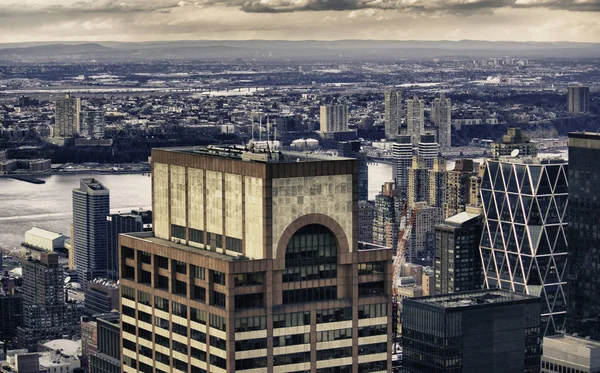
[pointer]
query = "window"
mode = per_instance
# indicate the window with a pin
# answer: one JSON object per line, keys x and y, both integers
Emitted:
{"x": 334, "y": 353}
{"x": 372, "y": 310}
{"x": 249, "y": 300}
{"x": 162, "y": 358}
{"x": 145, "y": 351}
{"x": 218, "y": 277}
{"x": 163, "y": 341}
{"x": 180, "y": 288}
{"x": 343, "y": 369}
{"x": 145, "y": 368}
{"x": 334, "y": 335}
{"x": 249, "y": 279}
{"x": 286, "y": 320}
{"x": 145, "y": 317}
{"x": 161, "y": 303}
{"x": 128, "y": 311}
{"x": 130, "y": 362}
{"x": 159, "y": 322}
{"x": 311, "y": 254}
{"x": 310, "y": 294}
{"x": 368, "y": 331}
{"x": 131, "y": 346}
{"x": 128, "y": 293}
{"x": 291, "y": 340}
{"x": 145, "y": 334}
{"x": 371, "y": 268}
{"x": 217, "y": 322}
{"x": 145, "y": 257}
{"x": 128, "y": 272}
{"x": 251, "y": 344}
{"x": 214, "y": 240}
{"x": 196, "y": 235}
{"x": 334, "y": 314}
{"x": 145, "y": 277}
{"x": 163, "y": 282}
{"x": 179, "y": 310}
{"x": 180, "y": 365}
{"x": 218, "y": 361}
{"x": 180, "y": 347}
{"x": 218, "y": 299}
{"x": 233, "y": 244}
{"x": 246, "y": 324}
{"x": 368, "y": 289}
{"x": 197, "y": 370}
{"x": 198, "y": 316}
{"x": 218, "y": 343}
{"x": 375, "y": 348}
{"x": 128, "y": 328}
{"x": 177, "y": 231}
{"x": 253, "y": 363}
{"x": 197, "y": 335}
{"x": 127, "y": 252}
{"x": 161, "y": 261}
{"x": 199, "y": 293}
{"x": 295, "y": 358}
{"x": 373, "y": 366}
{"x": 144, "y": 298}
{"x": 198, "y": 272}
{"x": 198, "y": 354}
{"x": 180, "y": 267}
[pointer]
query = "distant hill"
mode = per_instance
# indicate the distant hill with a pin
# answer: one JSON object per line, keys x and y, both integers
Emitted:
{"x": 341, "y": 50}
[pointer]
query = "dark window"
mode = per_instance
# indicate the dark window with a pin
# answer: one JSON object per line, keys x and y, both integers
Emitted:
{"x": 375, "y": 348}
{"x": 145, "y": 277}
{"x": 162, "y": 358}
{"x": 334, "y": 314}
{"x": 286, "y": 320}
{"x": 249, "y": 279}
{"x": 180, "y": 288}
{"x": 128, "y": 293}
{"x": 197, "y": 370}
{"x": 218, "y": 299}
{"x": 178, "y": 231}
{"x": 334, "y": 335}
{"x": 145, "y": 351}
{"x": 218, "y": 277}
{"x": 373, "y": 366}
{"x": 218, "y": 361}
{"x": 310, "y": 294}
{"x": 198, "y": 354}
{"x": 295, "y": 358}
{"x": 253, "y": 363}
{"x": 161, "y": 303}
{"x": 159, "y": 322}
{"x": 368, "y": 289}
{"x": 198, "y": 272}
{"x": 198, "y": 316}
{"x": 217, "y": 322}
{"x": 218, "y": 343}
{"x": 246, "y": 324}
{"x": 163, "y": 341}
{"x": 291, "y": 340}
{"x": 180, "y": 267}
{"x": 344, "y": 369}
{"x": 251, "y": 344}
{"x": 145, "y": 257}
{"x": 311, "y": 254}
{"x": 214, "y": 240}
{"x": 253, "y": 300}
{"x": 130, "y": 362}
{"x": 127, "y": 252}
{"x": 179, "y": 310}
{"x": 128, "y": 328}
{"x": 163, "y": 282}
{"x": 128, "y": 311}
{"x": 145, "y": 317}
{"x": 368, "y": 331}
{"x": 145, "y": 368}
{"x": 197, "y": 335}
{"x": 233, "y": 244}
{"x": 144, "y": 298}
{"x": 145, "y": 334}
{"x": 180, "y": 365}
{"x": 161, "y": 261}
{"x": 128, "y": 272}
{"x": 196, "y": 235}
{"x": 131, "y": 346}
{"x": 372, "y": 310}
{"x": 371, "y": 268}
{"x": 334, "y": 353}
{"x": 199, "y": 293}
{"x": 180, "y": 347}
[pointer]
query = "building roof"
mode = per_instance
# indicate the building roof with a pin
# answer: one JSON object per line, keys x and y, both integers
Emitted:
{"x": 461, "y": 218}
{"x": 474, "y": 298}
{"x": 569, "y": 340}
{"x": 65, "y": 346}
{"x": 44, "y": 233}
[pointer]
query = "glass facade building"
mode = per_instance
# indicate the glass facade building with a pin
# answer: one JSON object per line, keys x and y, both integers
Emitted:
{"x": 524, "y": 245}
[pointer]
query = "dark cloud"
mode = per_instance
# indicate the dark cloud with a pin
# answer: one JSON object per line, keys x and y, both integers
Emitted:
{"x": 91, "y": 7}
{"x": 572, "y": 5}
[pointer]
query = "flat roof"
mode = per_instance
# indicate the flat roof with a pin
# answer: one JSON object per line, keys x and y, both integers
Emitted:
{"x": 39, "y": 232}
{"x": 585, "y": 135}
{"x": 473, "y": 298}
{"x": 65, "y": 346}
{"x": 461, "y": 218}
{"x": 574, "y": 341}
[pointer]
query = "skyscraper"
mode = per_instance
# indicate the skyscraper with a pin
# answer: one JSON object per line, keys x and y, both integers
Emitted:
{"x": 415, "y": 118}
{"x": 92, "y": 124}
{"x": 45, "y": 314}
{"x": 385, "y": 218}
{"x": 438, "y": 183}
{"x": 402, "y": 150}
{"x": 351, "y": 149}
{"x": 428, "y": 149}
{"x": 441, "y": 115}
{"x": 134, "y": 221}
{"x": 66, "y": 116}
{"x": 457, "y": 263}
{"x": 584, "y": 240}
{"x": 334, "y": 118}
{"x": 249, "y": 267}
{"x": 493, "y": 331}
{"x": 393, "y": 113}
{"x": 366, "y": 211}
{"x": 458, "y": 187}
{"x": 523, "y": 245}
{"x": 579, "y": 101}
{"x": 91, "y": 206}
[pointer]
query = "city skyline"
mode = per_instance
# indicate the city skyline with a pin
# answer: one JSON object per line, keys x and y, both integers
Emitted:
{"x": 154, "y": 20}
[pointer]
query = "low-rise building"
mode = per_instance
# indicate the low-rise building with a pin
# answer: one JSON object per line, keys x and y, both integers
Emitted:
{"x": 44, "y": 240}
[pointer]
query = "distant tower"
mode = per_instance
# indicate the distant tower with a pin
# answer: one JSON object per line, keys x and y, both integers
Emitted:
{"x": 441, "y": 116}
{"x": 134, "y": 221}
{"x": 92, "y": 124}
{"x": 351, "y": 149}
{"x": 91, "y": 206}
{"x": 415, "y": 118}
{"x": 393, "y": 113}
{"x": 403, "y": 151}
{"x": 428, "y": 149}
{"x": 579, "y": 99}
{"x": 66, "y": 117}
{"x": 334, "y": 118}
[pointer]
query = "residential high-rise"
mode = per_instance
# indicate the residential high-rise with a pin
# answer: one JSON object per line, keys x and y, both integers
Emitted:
{"x": 334, "y": 118}
{"x": 523, "y": 245}
{"x": 366, "y": 211}
{"x": 441, "y": 116}
{"x": 438, "y": 180}
{"x": 66, "y": 116}
{"x": 565, "y": 353}
{"x": 352, "y": 149}
{"x": 514, "y": 140}
{"x": 253, "y": 263}
{"x": 402, "y": 150}
{"x": 393, "y": 113}
{"x": 458, "y": 188}
{"x": 415, "y": 118}
{"x": 385, "y": 219}
{"x": 134, "y": 221}
{"x": 457, "y": 263}
{"x": 107, "y": 357}
{"x": 475, "y": 186}
{"x": 422, "y": 239}
{"x": 584, "y": 240}
{"x": 579, "y": 100}
{"x": 92, "y": 124}
{"x": 46, "y": 315}
{"x": 91, "y": 206}
{"x": 428, "y": 149}
{"x": 418, "y": 181}
{"x": 493, "y": 331}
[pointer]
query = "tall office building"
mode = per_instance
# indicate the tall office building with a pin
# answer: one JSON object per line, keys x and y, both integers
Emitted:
{"x": 351, "y": 149}
{"x": 458, "y": 188}
{"x": 385, "y": 217}
{"x": 523, "y": 245}
{"x": 441, "y": 116}
{"x": 253, "y": 263}
{"x": 457, "y": 264}
{"x": 514, "y": 140}
{"x": 91, "y": 206}
{"x": 334, "y": 118}
{"x": 438, "y": 183}
{"x": 134, "y": 221}
{"x": 584, "y": 240}
{"x": 366, "y": 211}
{"x": 415, "y": 118}
{"x": 393, "y": 113}
{"x": 101, "y": 296}
{"x": 493, "y": 331}
{"x": 402, "y": 150}
{"x": 11, "y": 315}
{"x": 46, "y": 315}
{"x": 428, "y": 149}
{"x": 107, "y": 357}
{"x": 66, "y": 116}
{"x": 92, "y": 124}
{"x": 579, "y": 100}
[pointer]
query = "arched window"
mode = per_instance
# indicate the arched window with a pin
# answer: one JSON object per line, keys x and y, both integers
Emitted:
{"x": 311, "y": 254}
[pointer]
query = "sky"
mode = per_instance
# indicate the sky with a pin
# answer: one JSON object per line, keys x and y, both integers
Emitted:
{"x": 153, "y": 20}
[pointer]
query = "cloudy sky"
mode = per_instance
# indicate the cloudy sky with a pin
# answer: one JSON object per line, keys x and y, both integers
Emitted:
{"x": 145, "y": 20}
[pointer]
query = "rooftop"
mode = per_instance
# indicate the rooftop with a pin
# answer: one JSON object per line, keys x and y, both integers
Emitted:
{"x": 473, "y": 298}
{"x": 65, "y": 346}
{"x": 529, "y": 160}
{"x": 461, "y": 218}
{"x": 44, "y": 233}
{"x": 92, "y": 184}
{"x": 574, "y": 341}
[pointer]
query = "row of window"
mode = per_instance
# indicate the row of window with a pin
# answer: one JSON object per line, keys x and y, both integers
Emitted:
{"x": 212, "y": 239}
{"x": 310, "y": 294}
{"x": 371, "y": 268}
{"x": 334, "y": 315}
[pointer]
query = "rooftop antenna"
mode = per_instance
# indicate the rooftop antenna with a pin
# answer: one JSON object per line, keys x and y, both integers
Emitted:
{"x": 260, "y": 127}
{"x": 268, "y": 128}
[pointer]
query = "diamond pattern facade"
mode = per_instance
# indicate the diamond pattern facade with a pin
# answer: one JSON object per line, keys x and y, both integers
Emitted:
{"x": 523, "y": 245}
